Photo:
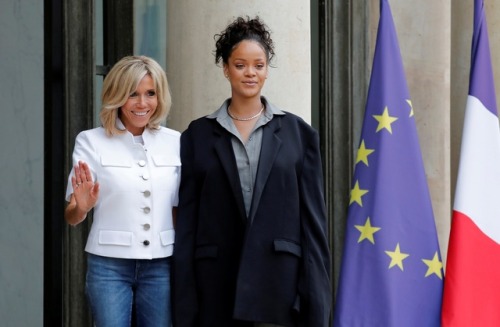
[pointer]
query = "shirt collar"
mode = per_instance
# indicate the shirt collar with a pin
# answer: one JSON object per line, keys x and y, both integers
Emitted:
{"x": 145, "y": 135}
{"x": 221, "y": 113}
{"x": 119, "y": 124}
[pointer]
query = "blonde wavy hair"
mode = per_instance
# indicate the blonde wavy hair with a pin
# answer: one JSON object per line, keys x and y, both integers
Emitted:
{"x": 122, "y": 80}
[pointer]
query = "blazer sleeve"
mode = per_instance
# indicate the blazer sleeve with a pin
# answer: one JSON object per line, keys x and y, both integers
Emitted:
{"x": 314, "y": 284}
{"x": 185, "y": 300}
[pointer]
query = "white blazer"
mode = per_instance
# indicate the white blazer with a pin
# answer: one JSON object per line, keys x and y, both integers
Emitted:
{"x": 139, "y": 185}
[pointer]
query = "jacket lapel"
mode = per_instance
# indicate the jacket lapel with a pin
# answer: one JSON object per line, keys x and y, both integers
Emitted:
{"x": 271, "y": 143}
{"x": 224, "y": 150}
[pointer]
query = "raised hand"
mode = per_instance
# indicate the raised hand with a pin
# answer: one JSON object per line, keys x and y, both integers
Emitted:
{"x": 85, "y": 194}
{"x": 85, "y": 190}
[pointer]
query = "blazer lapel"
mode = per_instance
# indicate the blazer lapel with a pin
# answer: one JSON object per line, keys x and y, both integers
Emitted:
{"x": 224, "y": 150}
{"x": 271, "y": 144}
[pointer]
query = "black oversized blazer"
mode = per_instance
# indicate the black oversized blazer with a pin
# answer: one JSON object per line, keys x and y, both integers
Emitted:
{"x": 272, "y": 266}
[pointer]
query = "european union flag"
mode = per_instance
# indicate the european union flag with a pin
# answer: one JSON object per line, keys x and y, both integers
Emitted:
{"x": 391, "y": 272}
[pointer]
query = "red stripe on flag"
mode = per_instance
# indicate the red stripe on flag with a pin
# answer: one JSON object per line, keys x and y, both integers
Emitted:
{"x": 472, "y": 277}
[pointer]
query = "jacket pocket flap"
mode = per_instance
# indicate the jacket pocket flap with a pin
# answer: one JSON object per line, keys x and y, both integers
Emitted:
{"x": 206, "y": 251}
{"x": 111, "y": 237}
{"x": 167, "y": 237}
{"x": 114, "y": 162}
{"x": 166, "y": 161}
{"x": 287, "y": 246}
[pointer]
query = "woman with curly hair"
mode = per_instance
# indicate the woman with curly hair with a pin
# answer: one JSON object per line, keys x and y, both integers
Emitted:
{"x": 251, "y": 246}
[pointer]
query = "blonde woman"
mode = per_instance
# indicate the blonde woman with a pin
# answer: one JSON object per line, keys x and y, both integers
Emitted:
{"x": 128, "y": 171}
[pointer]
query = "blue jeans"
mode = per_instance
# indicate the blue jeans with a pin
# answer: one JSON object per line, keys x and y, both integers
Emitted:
{"x": 115, "y": 285}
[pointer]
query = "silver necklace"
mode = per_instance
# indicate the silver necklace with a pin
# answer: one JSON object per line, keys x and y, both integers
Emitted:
{"x": 246, "y": 118}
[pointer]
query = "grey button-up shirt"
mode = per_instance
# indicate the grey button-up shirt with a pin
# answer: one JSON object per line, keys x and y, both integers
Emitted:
{"x": 247, "y": 154}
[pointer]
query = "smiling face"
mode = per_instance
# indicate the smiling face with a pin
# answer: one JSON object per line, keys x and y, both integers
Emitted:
{"x": 247, "y": 69}
{"x": 140, "y": 106}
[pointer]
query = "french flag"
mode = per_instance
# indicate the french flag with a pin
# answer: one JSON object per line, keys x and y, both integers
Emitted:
{"x": 472, "y": 281}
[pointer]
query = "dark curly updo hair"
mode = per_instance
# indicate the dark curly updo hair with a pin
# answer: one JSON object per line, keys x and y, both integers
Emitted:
{"x": 243, "y": 29}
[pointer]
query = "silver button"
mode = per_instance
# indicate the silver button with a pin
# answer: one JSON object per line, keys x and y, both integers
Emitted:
{"x": 142, "y": 163}
{"x": 147, "y": 226}
{"x": 145, "y": 177}
{"x": 147, "y": 194}
{"x": 146, "y": 209}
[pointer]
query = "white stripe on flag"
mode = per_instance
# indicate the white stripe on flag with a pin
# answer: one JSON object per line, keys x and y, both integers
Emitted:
{"x": 478, "y": 181}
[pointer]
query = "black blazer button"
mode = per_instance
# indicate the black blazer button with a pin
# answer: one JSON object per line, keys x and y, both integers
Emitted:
{"x": 146, "y": 242}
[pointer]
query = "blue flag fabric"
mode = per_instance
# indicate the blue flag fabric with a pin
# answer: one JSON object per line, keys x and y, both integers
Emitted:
{"x": 391, "y": 273}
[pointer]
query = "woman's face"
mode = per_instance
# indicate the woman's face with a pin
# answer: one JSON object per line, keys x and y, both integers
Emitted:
{"x": 140, "y": 106}
{"x": 247, "y": 69}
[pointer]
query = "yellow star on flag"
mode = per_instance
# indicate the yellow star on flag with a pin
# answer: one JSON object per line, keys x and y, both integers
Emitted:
{"x": 363, "y": 153}
{"x": 356, "y": 194}
{"x": 397, "y": 257}
{"x": 434, "y": 266}
{"x": 411, "y": 107}
{"x": 367, "y": 231}
{"x": 385, "y": 121}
